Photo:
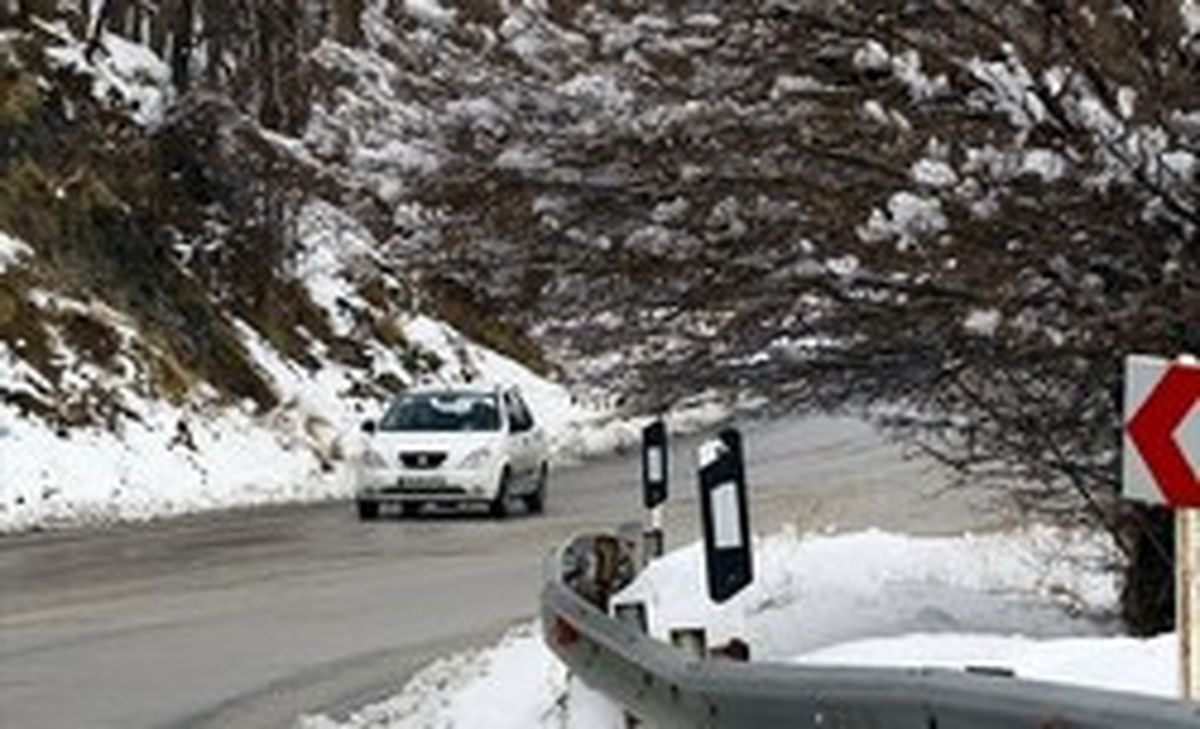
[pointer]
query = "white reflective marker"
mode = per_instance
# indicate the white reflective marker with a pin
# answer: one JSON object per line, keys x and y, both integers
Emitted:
{"x": 654, "y": 465}
{"x": 727, "y": 517}
{"x": 710, "y": 451}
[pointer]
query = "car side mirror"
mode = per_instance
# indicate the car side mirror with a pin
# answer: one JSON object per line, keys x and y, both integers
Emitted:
{"x": 369, "y": 427}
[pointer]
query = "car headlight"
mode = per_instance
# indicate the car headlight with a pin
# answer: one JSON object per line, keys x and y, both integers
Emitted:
{"x": 476, "y": 458}
{"x": 371, "y": 459}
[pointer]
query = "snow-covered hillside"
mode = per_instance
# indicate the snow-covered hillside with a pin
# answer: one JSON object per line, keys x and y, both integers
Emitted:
{"x": 135, "y": 453}
{"x": 1037, "y": 601}
{"x": 137, "y": 450}
{"x": 156, "y": 458}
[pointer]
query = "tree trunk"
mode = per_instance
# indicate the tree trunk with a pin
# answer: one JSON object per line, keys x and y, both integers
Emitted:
{"x": 27, "y": 9}
{"x": 346, "y": 28}
{"x": 270, "y": 113}
{"x": 1148, "y": 594}
{"x": 108, "y": 9}
{"x": 181, "y": 49}
{"x": 160, "y": 28}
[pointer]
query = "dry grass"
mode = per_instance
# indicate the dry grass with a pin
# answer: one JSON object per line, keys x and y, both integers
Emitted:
{"x": 457, "y": 306}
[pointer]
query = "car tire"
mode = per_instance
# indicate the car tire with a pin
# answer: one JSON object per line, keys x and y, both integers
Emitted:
{"x": 499, "y": 506}
{"x": 368, "y": 510}
{"x": 535, "y": 503}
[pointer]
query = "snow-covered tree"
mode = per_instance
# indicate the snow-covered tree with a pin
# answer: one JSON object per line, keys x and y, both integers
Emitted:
{"x": 959, "y": 213}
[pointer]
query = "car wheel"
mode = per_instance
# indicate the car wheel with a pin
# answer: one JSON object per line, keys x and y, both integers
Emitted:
{"x": 368, "y": 510}
{"x": 535, "y": 502}
{"x": 499, "y": 506}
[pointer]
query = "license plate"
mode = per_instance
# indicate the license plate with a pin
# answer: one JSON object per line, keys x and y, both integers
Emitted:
{"x": 421, "y": 482}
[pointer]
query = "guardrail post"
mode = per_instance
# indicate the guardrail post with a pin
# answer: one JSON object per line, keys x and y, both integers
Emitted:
{"x": 691, "y": 641}
{"x": 632, "y": 613}
{"x": 736, "y": 650}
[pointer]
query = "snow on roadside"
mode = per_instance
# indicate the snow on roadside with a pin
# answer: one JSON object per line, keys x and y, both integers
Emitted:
{"x": 1145, "y": 666}
{"x": 514, "y": 685}
{"x": 1038, "y": 581}
{"x": 141, "y": 457}
{"x": 1033, "y": 600}
{"x": 166, "y": 463}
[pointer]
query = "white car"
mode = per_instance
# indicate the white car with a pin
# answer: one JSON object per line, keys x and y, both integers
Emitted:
{"x": 453, "y": 446}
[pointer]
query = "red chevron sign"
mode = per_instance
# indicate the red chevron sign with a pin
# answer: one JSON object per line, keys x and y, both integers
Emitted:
{"x": 1162, "y": 450}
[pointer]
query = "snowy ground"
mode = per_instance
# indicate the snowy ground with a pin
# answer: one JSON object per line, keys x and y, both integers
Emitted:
{"x": 1039, "y": 601}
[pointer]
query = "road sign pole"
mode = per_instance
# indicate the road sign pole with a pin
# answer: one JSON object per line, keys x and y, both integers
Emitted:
{"x": 654, "y": 541}
{"x": 1162, "y": 446}
{"x": 1187, "y": 600}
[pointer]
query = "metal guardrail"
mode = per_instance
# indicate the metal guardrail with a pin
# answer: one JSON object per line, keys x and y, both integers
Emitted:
{"x": 669, "y": 690}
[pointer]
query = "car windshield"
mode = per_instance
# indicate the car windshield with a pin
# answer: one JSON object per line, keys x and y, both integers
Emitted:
{"x": 442, "y": 412}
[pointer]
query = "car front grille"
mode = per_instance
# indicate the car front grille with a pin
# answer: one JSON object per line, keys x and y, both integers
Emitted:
{"x": 422, "y": 459}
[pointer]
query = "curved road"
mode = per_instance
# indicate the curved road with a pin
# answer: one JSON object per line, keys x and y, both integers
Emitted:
{"x": 248, "y": 619}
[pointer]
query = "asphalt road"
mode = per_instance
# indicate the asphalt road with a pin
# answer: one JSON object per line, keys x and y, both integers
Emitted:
{"x": 248, "y": 619}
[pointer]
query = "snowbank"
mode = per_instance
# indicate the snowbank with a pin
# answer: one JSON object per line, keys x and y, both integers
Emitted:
{"x": 1039, "y": 581}
{"x": 168, "y": 462}
{"x": 1116, "y": 664}
{"x": 1001, "y": 600}
{"x": 516, "y": 685}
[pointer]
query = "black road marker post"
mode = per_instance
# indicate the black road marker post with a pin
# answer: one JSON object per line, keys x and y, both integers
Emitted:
{"x": 654, "y": 485}
{"x": 723, "y": 508}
